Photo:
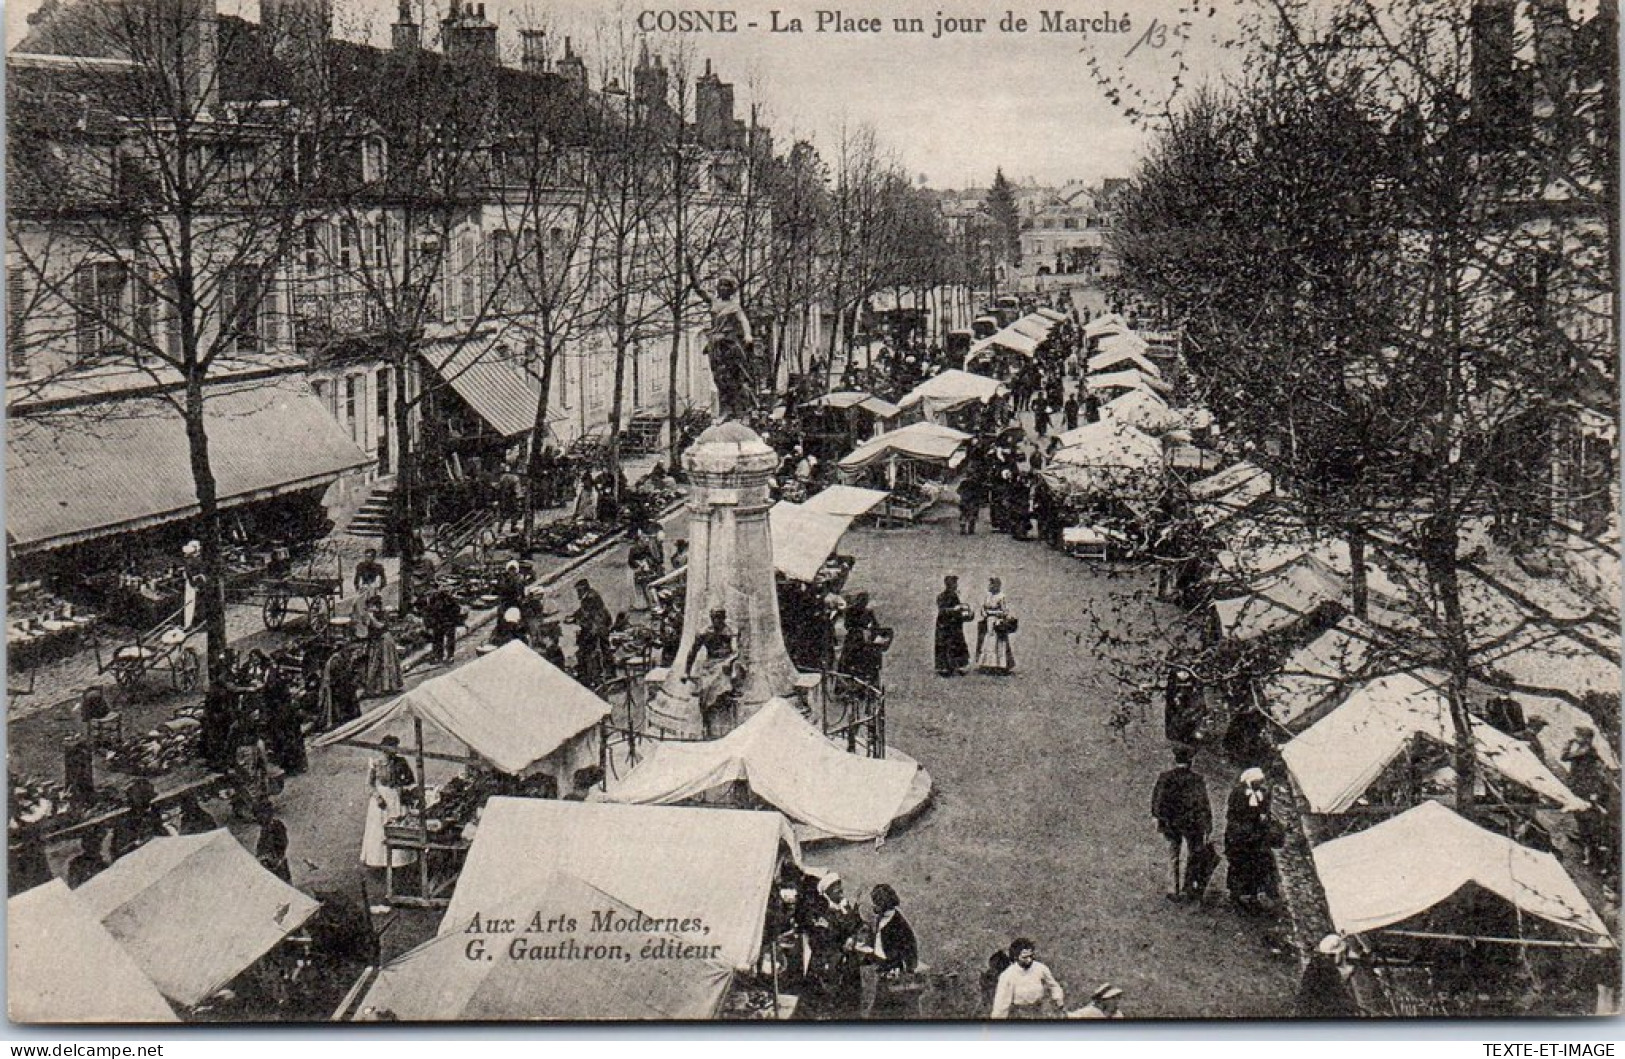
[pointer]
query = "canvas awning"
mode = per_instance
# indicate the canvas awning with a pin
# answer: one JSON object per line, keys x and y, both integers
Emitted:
{"x": 1228, "y": 480}
{"x": 1033, "y": 326}
{"x": 714, "y": 865}
{"x": 1008, "y": 339}
{"x": 953, "y": 389}
{"x": 844, "y": 399}
{"x": 1106, "y": 457}
{"x": 1144, "y": 411}
{"x": 1335, "y": 760}
{"x": 77, "y": 473}
{"x": 63, "y": 966}
{"x": 438, "y": 981}
{"x": 1053, "y": 315}
{"x": 1110, "y": 324}
{"x": 1122, "y": 359}
{"x": 194, "y": 911}
{"x": 493, "y": 380}
{"x": 848, "y": 500}
{"x": 1326, "y": 667}
{"x": 1229, "y": 493}
{"x": 1127, "y": 379}
{"x": 788, "y": 764}
{"x": 1126, "y": 342}
{"x": 1404, "y": 866}
{"x": 1192, "y": 458}
{"x": 803, "y": 539}
{"x": 1280, "y": 599}
{"x": 512, "y": 708}
{"x": 917, "y": 441}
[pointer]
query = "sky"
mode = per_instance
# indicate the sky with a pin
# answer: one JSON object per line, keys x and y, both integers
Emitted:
{"x": 951, "y": 108}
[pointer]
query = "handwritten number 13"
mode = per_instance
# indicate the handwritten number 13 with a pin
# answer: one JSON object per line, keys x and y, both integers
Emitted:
{"x": 1155, "y": 36}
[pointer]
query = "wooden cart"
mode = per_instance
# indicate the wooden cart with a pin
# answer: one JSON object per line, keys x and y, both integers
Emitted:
{"x": 163, "y": 648}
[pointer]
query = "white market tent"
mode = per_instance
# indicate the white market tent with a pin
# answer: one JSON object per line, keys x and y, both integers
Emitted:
{"x": 1126, "y": 343}
{"x": 1110, "y": 324}
{"x": 194, "y": 911}
{"x": 1336, "y": 759}
{"x": 437, "y": 981}
{"x": 717, "y": 865}
{"x": 1144, "y": 411}
{"x": 928, "y": 442}
{"x": 1404, "y": 866}
{"x": 1111, "y": 360}
{"x": 1106, "y": 457}
{"x": 1230, "y": 492}
{"x": 1033, "y": 326}
{"x": 63, "y": 966}
{"x": 848, "y": 500}
{"x": 788, "y": 764}
{"x": 511, "y": 708}
{"x": 803, "y": 539}
{"x": 1127, "y": 379}
{"x": 844, "y": 399}
{"x": 1279, "y": 599}
{"x": 1331, "y": 663}
{"x": 951, "y": 390}
{"x": 1052, "y": 315}
{"x": 1229, "y": 480}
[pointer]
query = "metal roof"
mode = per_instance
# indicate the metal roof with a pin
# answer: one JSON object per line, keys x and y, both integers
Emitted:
{"x": 89, "y": 471}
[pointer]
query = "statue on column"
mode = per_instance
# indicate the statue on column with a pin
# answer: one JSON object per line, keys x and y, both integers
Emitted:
{"x": 731, "y": 350}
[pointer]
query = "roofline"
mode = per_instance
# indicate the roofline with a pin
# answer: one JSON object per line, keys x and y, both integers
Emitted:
{"x": 43, "y": 61}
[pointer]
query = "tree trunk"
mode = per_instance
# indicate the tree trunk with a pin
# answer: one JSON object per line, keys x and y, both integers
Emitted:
{"x": 404, "y": 503}
{"x": 538, "y": 433}
{"x": 211, "y": 595}
{"x": 1440, "y": 551}
{"x": 1359, "y": 591}
{"x": 672, "y": 361}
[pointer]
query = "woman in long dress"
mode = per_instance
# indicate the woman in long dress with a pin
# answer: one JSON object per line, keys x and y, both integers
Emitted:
{"x": 391, "y": 785}
{"x": 993, "y": 654}
{"x": 1248, "y": 841}
{"x": 586, "y": 506}
{"x": 383, "y": 668}
{"x": 952, "y": 655}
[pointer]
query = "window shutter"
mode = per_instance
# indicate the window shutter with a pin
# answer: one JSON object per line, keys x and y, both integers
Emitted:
{"x": 84, "y": 304}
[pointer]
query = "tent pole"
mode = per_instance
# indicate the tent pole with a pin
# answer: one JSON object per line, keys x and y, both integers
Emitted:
{"x": 423, "y": 810}
{"x": 1541, "y": 943}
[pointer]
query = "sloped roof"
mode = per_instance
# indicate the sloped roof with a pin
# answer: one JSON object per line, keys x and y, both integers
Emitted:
{"x": 63, "y": 966}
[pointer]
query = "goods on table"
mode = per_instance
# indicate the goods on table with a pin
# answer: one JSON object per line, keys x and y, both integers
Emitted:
{"x": 166, "y": 747}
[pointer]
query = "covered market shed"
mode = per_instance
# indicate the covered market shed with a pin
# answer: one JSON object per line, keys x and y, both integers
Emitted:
{"x": 438, "y": 981}
{"x": 803, "y": 539}
{"x": 787, "y": 763}
{"x": 924, "y": 442}
{"x": 1404, "y": 867}
{"x": 512, "y": 709}
{"x": 714, "y": 865}
{"x": 949, "y": 392}
{"x": 63, "y": 965}
{"x": 1339, "y": 757}
{"x": 1107, "y": 458}
{"x": 194, "y": 911}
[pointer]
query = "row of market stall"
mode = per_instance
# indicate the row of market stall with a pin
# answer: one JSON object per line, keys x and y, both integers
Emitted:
{"x": 1367, "y": 737}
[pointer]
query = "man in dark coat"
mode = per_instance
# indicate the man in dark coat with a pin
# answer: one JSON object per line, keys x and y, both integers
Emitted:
{"x": 952, "y": 653}
{"x": 1180, "y": 806}
{"x": 593, "y": 623}
{"x": 1069, "y": 411}
{"x": 442, "y": 615}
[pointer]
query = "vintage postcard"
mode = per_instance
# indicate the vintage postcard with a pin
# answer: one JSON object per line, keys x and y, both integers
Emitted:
{"x": 526, "y": 511}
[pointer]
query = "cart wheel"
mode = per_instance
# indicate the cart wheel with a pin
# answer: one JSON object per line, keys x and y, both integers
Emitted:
{"x": 125, "y": 674}
{"x": 318, "y": 611}
{"x": 188, "y": 668}
{"x": 275, "y": 611}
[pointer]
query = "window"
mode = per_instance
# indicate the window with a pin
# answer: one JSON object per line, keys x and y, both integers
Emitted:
{"x": 374, "y": 159}
{"x": 100, "y": 306}
{"x": 313, "y": 247}
{"x": 347, "y": 241}
{"x": 380, "y": 243}
{"x": 350, "y": 417}
{"x": 501, "y": 263}
{"x": 251, "y": 308}
{"x": 383, "y": 393}
{"x": 468, "y": 276}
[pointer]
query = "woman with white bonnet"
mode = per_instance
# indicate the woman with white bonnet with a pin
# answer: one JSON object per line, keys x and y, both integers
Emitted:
{"x": 1326, "y": 990}
{"x": 834, "y": 966}
{"x": 1249, "y": 836}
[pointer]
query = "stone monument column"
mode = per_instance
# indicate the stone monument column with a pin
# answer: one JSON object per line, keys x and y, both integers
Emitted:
{"x": 730, "y": 565}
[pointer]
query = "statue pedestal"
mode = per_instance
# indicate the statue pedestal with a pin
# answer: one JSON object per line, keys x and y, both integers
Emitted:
{"x": 730, "y": 565}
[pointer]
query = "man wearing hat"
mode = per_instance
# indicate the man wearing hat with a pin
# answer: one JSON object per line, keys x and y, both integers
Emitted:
{"x": 1103, "y": 1004}
{"x": 509, "y": 627}
{"x": 1179, "y": 803}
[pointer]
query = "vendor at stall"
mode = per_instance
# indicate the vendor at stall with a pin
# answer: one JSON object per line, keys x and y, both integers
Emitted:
{"x": 392, "y": 786}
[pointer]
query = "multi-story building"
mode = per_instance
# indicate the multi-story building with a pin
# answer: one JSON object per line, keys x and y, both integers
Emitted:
{"x": 400, "y": 236}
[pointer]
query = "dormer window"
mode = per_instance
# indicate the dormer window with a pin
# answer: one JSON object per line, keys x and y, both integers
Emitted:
{"x": 374, "y": 159}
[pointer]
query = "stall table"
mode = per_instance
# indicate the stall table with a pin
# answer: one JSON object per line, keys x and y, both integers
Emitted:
{"x": 452, "y": 848}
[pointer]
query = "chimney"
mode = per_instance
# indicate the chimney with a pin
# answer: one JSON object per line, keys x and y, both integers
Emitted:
{"x": 713, "y": 109}
{"x": 199, "y": 32}
{"x": 468, "y": 37}
{"x": 405, "y": 35}
{"x": 571, "y": 68}
{"x": 533, "y": 51}
{"x": 650, "y": 87}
